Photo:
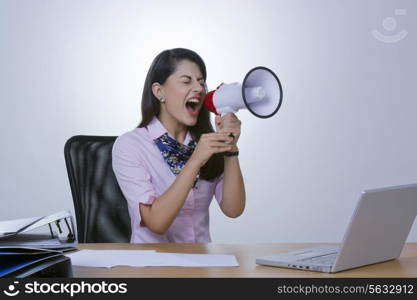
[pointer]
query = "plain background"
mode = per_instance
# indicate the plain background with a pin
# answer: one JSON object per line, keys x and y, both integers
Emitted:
{"x": 348, "y": 120}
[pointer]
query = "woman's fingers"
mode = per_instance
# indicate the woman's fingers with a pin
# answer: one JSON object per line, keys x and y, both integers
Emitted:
{"x": 219, "y": 145}
{"x": 215, "y": 134}
{"x": 220, "y": 136}
{"x": 218, "y": 121}
{"x": 221, "y": 149}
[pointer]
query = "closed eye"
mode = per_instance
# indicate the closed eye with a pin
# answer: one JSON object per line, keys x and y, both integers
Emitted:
{"x": 187, "y": 80}
{"x": 202, "y": 83}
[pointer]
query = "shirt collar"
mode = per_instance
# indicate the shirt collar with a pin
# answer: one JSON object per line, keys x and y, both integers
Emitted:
{"x": 156, "y": 129}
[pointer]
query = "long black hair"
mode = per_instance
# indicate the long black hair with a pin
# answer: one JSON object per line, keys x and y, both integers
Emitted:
{"x": 161, "y": 68}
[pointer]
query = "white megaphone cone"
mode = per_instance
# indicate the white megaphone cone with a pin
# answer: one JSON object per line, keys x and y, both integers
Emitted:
{"x": 260, "y": 92}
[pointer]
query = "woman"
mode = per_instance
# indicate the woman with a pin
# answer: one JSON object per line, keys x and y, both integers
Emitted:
{"x": 170, "y": 167}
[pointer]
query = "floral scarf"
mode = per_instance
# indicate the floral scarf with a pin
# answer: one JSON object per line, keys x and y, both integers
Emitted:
{"x": 175, "y": 154}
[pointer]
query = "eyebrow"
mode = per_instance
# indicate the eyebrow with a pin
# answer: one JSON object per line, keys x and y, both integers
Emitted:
{"x": 189, "y": 77}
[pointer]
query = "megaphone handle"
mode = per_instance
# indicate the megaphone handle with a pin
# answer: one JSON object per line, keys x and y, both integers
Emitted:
{"x": 227, "y": 110}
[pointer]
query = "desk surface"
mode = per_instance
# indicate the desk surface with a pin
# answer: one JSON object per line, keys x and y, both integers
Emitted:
{"x": 405, "y": 266}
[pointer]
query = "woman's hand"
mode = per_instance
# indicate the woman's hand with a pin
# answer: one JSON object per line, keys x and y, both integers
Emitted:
{"x": 209, "y": 144}
{"x": 229, "y": 124}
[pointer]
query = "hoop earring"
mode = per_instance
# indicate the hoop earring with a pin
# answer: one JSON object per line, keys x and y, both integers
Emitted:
{"x": 162, "y": 100}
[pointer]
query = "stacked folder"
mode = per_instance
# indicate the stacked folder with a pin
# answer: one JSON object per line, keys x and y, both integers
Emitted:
{"x": 35, "y": 247}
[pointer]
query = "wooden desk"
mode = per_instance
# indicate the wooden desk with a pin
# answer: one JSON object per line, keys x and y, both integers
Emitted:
{"x": 405, "y": 266}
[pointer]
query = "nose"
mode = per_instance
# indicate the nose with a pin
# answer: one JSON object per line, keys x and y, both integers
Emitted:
{"x": 197, "y": 87}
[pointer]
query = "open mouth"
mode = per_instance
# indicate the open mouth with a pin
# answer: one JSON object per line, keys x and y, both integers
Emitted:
{"x": 193, "y": 106}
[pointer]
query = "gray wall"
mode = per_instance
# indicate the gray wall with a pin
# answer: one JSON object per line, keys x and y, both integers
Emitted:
{"x": 347, "y": 123}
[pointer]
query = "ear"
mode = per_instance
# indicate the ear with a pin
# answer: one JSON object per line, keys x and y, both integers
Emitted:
{"x": 158, "y": 90}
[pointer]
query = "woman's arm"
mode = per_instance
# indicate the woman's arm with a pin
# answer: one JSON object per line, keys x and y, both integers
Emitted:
{"x": 234, "y": 196}
{"x": 160, "y": 215}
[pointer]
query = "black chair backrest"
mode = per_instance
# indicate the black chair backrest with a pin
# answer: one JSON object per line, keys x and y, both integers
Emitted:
{"x": 100, "y": 207}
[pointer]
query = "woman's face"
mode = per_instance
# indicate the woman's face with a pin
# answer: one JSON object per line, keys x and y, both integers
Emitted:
{"x": 184, "y": 91}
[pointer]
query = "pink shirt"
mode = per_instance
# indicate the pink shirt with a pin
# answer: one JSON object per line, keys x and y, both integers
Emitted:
{"x": 143, "y": 175}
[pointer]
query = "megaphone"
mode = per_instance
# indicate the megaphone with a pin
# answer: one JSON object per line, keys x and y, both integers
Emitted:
{"x": 260, "y": 92}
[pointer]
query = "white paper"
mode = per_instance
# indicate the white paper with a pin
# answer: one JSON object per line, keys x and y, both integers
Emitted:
{"x": 149, "y": 258}
{"x": 49, "y": 219}
{"x": 106, "y": 258}
{"x": 13, "y": 226}
{"x": 198, "y": 260}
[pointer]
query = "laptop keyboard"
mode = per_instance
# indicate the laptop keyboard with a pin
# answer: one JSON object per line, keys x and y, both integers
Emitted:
{"x": 327, "y": 259}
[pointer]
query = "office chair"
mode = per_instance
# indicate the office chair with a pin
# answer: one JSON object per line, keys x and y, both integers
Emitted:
{"x": 100, "y": 207}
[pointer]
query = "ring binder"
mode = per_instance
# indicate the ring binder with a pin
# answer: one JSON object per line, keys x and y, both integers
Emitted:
{"x": 35, "y": 247}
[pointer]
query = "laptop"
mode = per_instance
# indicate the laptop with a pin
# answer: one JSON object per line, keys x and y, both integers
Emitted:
{"x": 377, "y": 232}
